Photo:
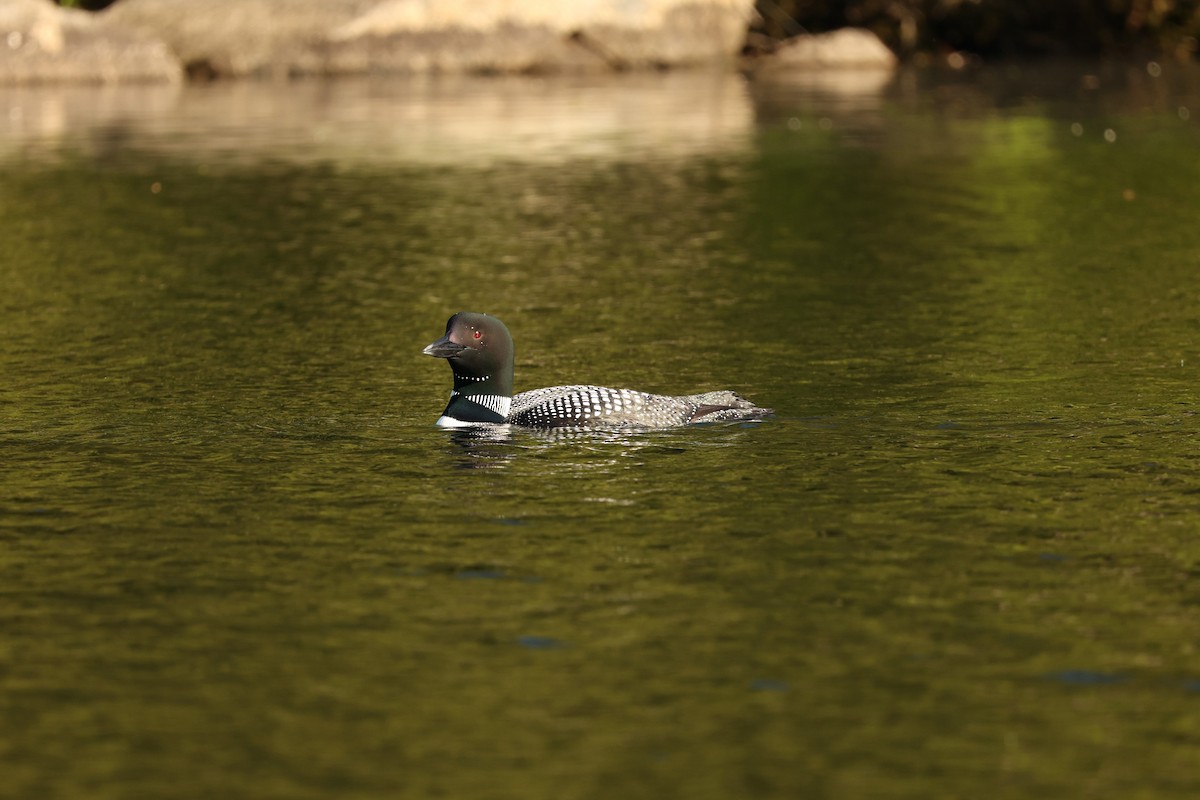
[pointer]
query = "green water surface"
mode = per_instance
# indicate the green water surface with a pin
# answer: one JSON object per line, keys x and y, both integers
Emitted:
{"x": 238, "y": 560}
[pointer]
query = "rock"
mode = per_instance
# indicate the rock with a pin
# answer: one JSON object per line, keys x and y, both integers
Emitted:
{"x": 847, "y": 48}
{"x": 150, "y": 39}
{"x": 247, "y": 37}
{"x": 40, "y": 43}
{"x": 508, "y": 48}
{"x": 239, "y": 37}
{"x": 520, "y": 36}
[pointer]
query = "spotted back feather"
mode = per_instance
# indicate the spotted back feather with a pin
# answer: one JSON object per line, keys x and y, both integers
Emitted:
{"x": 584, "y": 406}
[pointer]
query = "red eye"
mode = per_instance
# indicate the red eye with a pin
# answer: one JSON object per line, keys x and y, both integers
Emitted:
{"x": 478, "y": 335}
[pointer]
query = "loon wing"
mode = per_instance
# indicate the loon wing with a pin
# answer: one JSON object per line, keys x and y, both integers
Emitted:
{"x": 599, "y": 406}
{"x": 724, "y": 405}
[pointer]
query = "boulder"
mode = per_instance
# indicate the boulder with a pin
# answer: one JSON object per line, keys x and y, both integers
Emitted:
{"x": 41, "y": 42}
{"x": 247, "y": 37}
{"x": 536, "y": 35}
{"x": 238, "y": 37}
{"x": 847, "y": 48}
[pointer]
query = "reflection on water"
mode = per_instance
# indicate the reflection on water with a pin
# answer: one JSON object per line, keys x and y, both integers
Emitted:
{"x": 498, "y": 446}
{"x": 234, "y": 547}
{"x": 448, "y": 120}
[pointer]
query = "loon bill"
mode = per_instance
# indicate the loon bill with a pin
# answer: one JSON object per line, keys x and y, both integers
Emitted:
{"x": 480, "y": 351}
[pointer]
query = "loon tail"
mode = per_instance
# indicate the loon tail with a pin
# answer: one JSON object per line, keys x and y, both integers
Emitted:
{"x": 724, "y": 405}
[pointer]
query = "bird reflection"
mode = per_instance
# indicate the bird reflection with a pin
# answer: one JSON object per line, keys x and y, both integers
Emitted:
{"x": 483, "y": 446}
{"x": 497, "y": 446}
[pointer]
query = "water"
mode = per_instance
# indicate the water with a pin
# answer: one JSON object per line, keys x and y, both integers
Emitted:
{"x": 237, "y": 559}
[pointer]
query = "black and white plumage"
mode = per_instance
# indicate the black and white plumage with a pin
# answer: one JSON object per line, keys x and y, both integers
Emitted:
{"x": 479, "y": 349}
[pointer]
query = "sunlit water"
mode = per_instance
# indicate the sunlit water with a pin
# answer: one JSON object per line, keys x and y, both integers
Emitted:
{"x": 238, "y": 560}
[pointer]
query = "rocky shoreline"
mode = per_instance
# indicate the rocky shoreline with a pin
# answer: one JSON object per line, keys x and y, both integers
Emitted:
{"x": 176, "y": 40}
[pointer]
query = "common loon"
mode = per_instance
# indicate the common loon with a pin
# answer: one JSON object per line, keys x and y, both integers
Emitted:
{"x": 480, "y": 351}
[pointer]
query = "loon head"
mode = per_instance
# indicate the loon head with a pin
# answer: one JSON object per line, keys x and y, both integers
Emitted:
{"x": 480, "y": 351}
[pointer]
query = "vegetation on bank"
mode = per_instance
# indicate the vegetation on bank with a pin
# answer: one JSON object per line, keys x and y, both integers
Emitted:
{"x": 996, "y": 28}
{"x": 918, "y": 29}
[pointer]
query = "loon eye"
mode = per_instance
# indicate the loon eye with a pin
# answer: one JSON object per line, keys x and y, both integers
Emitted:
{"x": 478, "y": 335}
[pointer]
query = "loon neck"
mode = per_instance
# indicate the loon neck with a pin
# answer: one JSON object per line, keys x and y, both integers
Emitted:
{"x": 496, "y": 385}
{"x": 479, "y": 398}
